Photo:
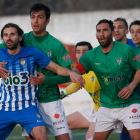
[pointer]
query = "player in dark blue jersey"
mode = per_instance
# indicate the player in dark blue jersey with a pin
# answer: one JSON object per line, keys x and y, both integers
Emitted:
{"x": 18, "y": 103}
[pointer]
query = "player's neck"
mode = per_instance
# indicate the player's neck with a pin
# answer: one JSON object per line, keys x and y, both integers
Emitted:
{"x": 38, "y": 34}
{"x": 108, "y": 48}
{"x": 124, "y": 40}
{"x": 15, "y": 51}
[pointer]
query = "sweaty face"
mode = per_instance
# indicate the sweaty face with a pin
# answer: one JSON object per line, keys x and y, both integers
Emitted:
{"x": 39, "y": 22}
{"x": 104, "y": 35}
{"x": 80, "y": 50}
{"x": 120, "y": 30}
{"x": 11, "y": 38}
{"x": 135, "y": 34}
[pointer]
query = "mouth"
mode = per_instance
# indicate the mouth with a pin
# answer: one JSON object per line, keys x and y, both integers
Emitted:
{"x": 9, "y": 43}
{"x": 36, "y": 26}
{"x": 102, "y": 39}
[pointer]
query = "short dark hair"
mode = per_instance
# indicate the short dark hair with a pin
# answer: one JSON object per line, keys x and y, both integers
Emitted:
{"x": 83, "y": 43}
{"x": 19, "y": 30}
{"x": 39, "y": 6}
{"x": 135, "y": 22}
{"x": 109, "y": 22}
{"x": 123, "y": 20}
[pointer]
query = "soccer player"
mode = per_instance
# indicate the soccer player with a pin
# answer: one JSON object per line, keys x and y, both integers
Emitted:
{"x": 135, "y": 33}
{"x": 84, "y": 118}
{"x": 18, "y": 102}
{"x": 50, "y": 105}
{"x": 121, "y": 31}
{"x": 117, "y": 67}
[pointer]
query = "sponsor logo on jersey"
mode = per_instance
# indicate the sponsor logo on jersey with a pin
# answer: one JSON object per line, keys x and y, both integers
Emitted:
{"x": 49, "y": 53}
{"x": 134, "y": 110}
{"x": 22, "y": 61}
{"x": 107, "y": 79}
{"x": 66, "y": 57}
{"x": 16, "y": 80}
{"x": 37, "y": 115}
{"x": 56, "y": 116}
{"x": 136, "y": 57}
{"x": 119, "y": 60}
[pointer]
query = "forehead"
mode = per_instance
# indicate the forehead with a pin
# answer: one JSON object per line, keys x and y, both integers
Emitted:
{"x": 119, "y": 23}
{"x": 103, "y": 26}
{"x": 41, "y": 12}
{"x": 81, "y": 48}
{"x": 135, "y": 27}
{"x": 10, "y": 30}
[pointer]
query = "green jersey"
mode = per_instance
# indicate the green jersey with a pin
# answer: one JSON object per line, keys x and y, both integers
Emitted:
{"x": 114, "y": 71}
{"x": 54, "y": 49}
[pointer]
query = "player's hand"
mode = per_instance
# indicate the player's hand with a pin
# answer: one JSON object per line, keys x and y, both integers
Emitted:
{"x": 62, "y": 95}
{"x": 77, "y": 78}
{"x": 3, "y": 72}
{"x": 125, "y": 92}
{"x": 37, "y": 80}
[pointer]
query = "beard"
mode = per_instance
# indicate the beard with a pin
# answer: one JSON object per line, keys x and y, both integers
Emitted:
{"x": 13, "y": 46}
{"x": 107, "y": 43}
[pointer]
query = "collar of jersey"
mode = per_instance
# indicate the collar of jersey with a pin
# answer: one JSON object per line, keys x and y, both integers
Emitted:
{"x": 40, "y": 38}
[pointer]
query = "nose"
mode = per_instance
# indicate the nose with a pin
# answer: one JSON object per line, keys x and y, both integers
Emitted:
{"x": 35, "y": 19}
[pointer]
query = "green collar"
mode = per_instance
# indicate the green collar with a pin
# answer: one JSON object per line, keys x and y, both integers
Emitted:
{"x": 41, "y": 38}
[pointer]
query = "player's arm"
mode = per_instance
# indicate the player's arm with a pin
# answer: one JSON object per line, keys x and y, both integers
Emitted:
{"x": 44, "y": 79}
{"x": 58, "y": 79}
{"x": 65, "y": 72}
{"x": 127, "y": 91}
{"x": 91, "y": 85}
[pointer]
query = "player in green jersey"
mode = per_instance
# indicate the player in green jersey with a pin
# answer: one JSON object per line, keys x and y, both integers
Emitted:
{"x": 117, "y": 67}
{"x": 50, "y": 105}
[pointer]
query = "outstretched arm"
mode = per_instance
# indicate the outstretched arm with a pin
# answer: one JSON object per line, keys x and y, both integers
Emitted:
{"x": 66, "y": 72}
{"x": 44, "y": 79}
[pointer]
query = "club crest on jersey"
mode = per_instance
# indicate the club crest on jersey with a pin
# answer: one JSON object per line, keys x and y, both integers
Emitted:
{"x": 22, "y": 61}
{"x": 37, "y": 115}
{"x": 119, "y": 60}
{"x": 49, "y": 53}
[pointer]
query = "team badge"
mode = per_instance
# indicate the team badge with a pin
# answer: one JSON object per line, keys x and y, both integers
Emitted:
{"x": 134, "y": 110}
{"x": 119, "y": 60}
{"x": 22, "y": 61}
{"x": 49, "y": 53}
{"x": 37, "y": 115}
{"x": 92, "y": 79}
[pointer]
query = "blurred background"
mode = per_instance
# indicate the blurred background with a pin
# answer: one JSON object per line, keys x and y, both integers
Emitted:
{"x": 71, "y": 21}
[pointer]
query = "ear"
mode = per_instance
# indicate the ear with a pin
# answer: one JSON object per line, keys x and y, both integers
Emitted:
{"x": 20, "y": 38}
{"x": 126, "y": 32}
{"x": 48, "y": 21}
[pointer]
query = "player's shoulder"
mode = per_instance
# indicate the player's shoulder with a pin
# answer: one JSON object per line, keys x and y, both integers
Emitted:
{"x": 122, "y": 46}
{"x": 55, "y": 41}
{"x": 93, "y": 51}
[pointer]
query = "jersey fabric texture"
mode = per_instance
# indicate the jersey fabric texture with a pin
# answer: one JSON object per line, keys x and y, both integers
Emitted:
{"x": 114, "y": 71}
{"x": 54, "y": 49}
{"x": 130, "y": 42}
{"x": 17, "y": 92}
